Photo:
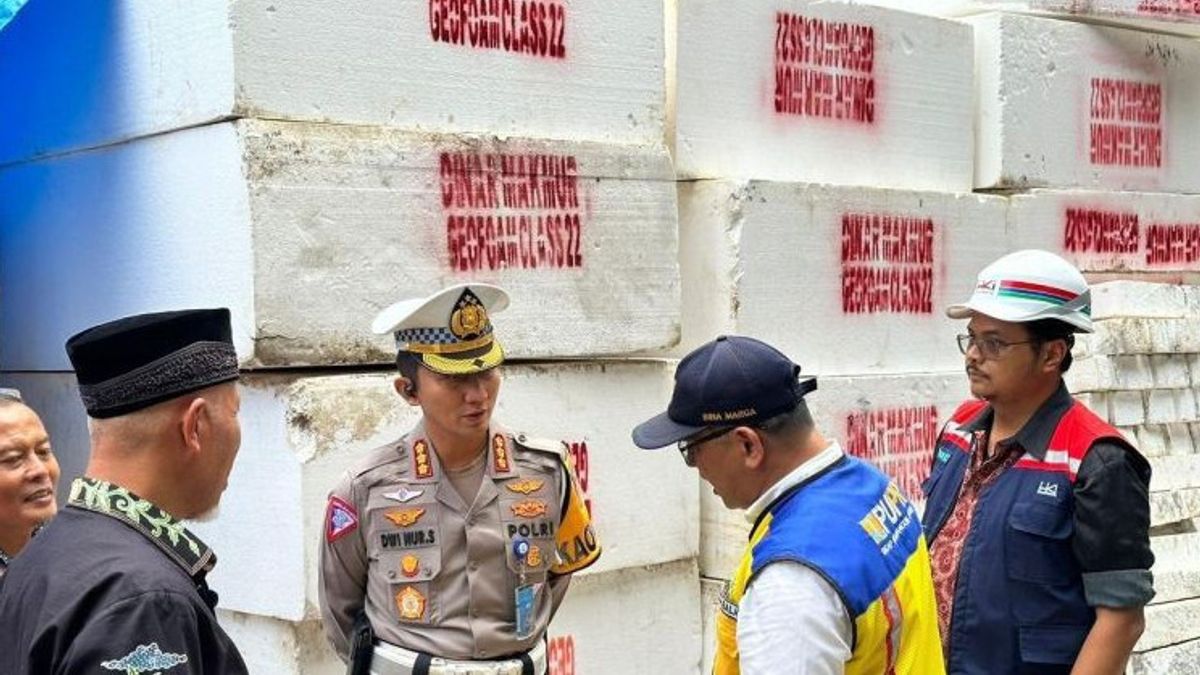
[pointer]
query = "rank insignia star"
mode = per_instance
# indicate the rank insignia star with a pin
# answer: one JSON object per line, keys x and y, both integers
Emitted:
{"x": 500, "y": 461}
{"x": 526, "y": 486}
{"x": 422, "y": 464}
{"x": 529, "y": 508}
{"x": 411, "y": 604}
{"x": 404, "y": 517}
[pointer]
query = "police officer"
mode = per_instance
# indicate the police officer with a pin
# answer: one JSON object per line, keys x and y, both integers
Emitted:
{"x": 835, "y": 577}
{"x": 1037, "y": 510}
{"x": 116, "y": 582}
{"x": 28, "y": 475}
{"x": 455, "y": 543}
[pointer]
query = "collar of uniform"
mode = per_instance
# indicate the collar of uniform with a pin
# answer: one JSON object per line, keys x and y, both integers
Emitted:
{"x": 808, "y": 469}
{"x": 1034, "y": 437}
{"x": 160, "y": 527}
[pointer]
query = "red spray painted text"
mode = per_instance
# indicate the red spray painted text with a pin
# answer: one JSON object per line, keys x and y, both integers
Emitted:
{"x": 887, "y": 264}
{"x": 824, "y": 69}
{"x": 560, "y": 654}
{"x": 511, "y": 211}
{"x": 1126, "y": 124}
{"x": 1181, "y": 8}
{"x": 532, "y": 27}
{"x": 897, "y": 440}
{"x": 1119, "y": 233}
{"x": 579, "y": 455}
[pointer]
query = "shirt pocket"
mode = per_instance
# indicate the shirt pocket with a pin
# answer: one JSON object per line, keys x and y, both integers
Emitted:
{"x": 1038, "y": 543}
{"x": 411, "y": 581}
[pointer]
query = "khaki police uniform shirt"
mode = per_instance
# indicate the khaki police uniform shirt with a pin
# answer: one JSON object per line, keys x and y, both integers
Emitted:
{"x": 437, "y": 575}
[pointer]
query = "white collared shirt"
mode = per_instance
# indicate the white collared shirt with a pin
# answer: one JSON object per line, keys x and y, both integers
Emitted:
{"x": 791, "y": 620}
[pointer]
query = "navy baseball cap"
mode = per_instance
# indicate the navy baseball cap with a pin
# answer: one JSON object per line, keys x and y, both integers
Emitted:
{"x": 731, "y": 381}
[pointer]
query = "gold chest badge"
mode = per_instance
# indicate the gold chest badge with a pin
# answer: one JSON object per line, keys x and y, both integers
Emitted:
{"x": 411, "y": 604}
{"x": 410, "y": 565}
{"x": 404, "y": 517}
{"x": 529, "y": 508}
{"x": 534, "y": 557}
{"x": 526, "y": 486}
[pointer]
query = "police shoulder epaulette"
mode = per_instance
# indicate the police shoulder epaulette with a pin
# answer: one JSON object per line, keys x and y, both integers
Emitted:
{"x": 556, "y": 448}
{"x": 377, "y": 457}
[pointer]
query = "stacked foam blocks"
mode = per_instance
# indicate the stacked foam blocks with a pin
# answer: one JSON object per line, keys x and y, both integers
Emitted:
{"x": 308, "y": 164}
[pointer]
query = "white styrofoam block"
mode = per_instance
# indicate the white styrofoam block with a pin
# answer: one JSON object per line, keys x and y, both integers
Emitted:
{"x": 1176, "y": 567}
{"x": 280, "y": 647}
{"x": 1170, "y": 371}
{"x": 1180, "y": 659}
{"x": 110, "y": 73}
{"x": 843, "y": 280}
{"x": 643, "y": 620}
{"x": 306, "y": 231}
{"x": 1152, "y": 440}
{"x": 1175, "y": 472}
{"x": 1115, "y": 232}
{"x": 1132, "y": 372}
{"x": 710, "y": 602}
{"x": 1170, "y": 624}
{"x": 1172, "y": 337}
{"x": 1193, "y": 361}
{"x": 823, "y": 93}
{"x": 891, "y": 421}
{"x": 1106, "y": 108}
{"x": 1161, "y": 406}
{"x": 300, "y": 432}
{"x": 1114, "y": 299}
{"x": 1179, "y": 438}
{"x": 1127, "y": 408}
{"x": 1174, "y": 506}
{"x": 1171, "y": 16}
{"x": 1091, "y": 374}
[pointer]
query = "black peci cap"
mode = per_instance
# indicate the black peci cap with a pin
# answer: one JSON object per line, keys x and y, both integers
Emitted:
{"x": 132, "y": 363}
{"x": 732, "y": 380}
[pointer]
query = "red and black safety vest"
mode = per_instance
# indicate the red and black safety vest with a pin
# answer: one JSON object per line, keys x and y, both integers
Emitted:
{"x": 1019, "y": 601}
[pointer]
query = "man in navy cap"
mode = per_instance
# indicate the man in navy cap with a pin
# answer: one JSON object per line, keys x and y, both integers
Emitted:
{"x": 835, "y": 577}
{"x": 116, "y": 582}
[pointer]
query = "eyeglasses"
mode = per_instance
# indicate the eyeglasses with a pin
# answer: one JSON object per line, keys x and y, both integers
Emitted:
{"x": 688, "y": 446}
{"x": 989, "y": 347}
{"x": 10, "y": 395}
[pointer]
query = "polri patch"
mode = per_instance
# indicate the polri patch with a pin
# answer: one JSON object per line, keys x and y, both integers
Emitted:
{"x": 340, "y": 519}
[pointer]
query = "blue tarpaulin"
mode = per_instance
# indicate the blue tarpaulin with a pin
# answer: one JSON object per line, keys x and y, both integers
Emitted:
{"x": 9, "y": 9}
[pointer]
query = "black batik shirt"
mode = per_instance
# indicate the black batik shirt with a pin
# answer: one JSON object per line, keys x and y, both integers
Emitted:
{"x": 112, "y": 584}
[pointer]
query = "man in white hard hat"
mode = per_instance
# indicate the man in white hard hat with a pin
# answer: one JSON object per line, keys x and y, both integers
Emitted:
{"x": 1037, "y": 510}
{"x": 450, "y": 549}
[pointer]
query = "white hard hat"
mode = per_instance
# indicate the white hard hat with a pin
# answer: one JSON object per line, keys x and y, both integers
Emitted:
{"x": 1028, "y": 286}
